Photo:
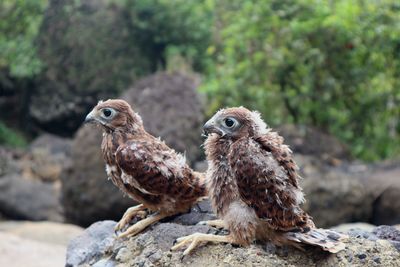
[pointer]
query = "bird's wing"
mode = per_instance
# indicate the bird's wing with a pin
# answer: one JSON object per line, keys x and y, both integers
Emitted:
{"x": 152, "y": 167}
{"x": 273, "y": 143}
{"x": 265, "y": 185}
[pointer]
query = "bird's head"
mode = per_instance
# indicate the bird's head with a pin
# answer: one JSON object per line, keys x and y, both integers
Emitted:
{"x": 114, "y": 114}
{"x": 235, "y": 123}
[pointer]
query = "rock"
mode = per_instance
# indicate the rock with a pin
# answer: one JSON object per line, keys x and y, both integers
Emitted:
{"x": 389, "y": 233}
{"x": 170, "y": 108}
{"x": 309, "y": 140}
{"x": 18, "y": 252}
{"x": 346, "y": 227}
{"x": 99, "y": 62}
{"x": 384, "y": 183}
{"x": 29, "y": 185}
{"x": 85, "y": 184}
{"x": 46, "y": 232}
{"x": 386, "y": 208}
{"x": 92, "y": 244}
{"x": 26, "y": 199}
{"x": 334, "y": 197}
{"x": 152, "y": 248}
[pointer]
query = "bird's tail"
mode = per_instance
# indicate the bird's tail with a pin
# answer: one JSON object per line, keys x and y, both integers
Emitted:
{"x": 328, "y": 240}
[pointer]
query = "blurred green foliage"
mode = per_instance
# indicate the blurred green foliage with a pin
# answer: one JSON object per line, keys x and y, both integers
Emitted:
{"x": 332, "y": 64}
{"x": 19, "y": 24}
{"x": 10, "y": 137}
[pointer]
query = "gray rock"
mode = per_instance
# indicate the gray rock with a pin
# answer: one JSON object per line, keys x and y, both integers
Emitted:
{"x": 91, "y": 245}
{"x": 199, "y": 212}
{"x": 309, "y": 140}
{"x": 170, "y": 108}
{"x": 382, "y": 181}
{"x": 388, "y": 233}
{"x": 334, "y": 197}
{"x": 152, "y": 248}
{"x": 29, "y": 184}
{"x": 25, "y": 199}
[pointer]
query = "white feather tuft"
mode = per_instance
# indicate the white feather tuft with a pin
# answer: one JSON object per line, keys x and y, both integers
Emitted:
{"x": 260, "y": 126}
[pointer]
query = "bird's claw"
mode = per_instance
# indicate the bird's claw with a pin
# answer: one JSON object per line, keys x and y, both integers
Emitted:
{"x": 193, "y": 240}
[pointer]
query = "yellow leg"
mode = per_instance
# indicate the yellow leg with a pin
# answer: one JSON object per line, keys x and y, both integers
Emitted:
{"x": 196, "y": 238}
{"x": 213, "y": 223}
{"x": 129, "y": 215}
{"x": 141, "y": 225}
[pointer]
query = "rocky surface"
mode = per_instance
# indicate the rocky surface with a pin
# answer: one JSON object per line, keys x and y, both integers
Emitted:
{"x": 170, "y": 108}
{"x": 30, "y": 180}
{"x": 99, "y": 247}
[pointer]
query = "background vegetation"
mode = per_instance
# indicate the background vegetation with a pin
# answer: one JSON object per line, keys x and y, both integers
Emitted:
{"x": 330, "y": 64}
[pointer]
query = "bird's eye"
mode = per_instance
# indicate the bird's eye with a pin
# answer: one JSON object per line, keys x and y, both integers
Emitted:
{"x": 229, "y": 122}
{"x": 107, "y": 112}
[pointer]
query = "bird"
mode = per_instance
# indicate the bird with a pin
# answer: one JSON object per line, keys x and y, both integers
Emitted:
{"x": 144, "y": 168}
{"x": 253, "y": 184}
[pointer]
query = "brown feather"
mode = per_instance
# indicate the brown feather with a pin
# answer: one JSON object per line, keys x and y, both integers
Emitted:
{"x": 253, "y": 184}
{"x": 143, "y": 166}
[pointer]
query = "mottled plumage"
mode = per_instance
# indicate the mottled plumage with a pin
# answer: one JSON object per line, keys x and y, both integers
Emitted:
{"x": 143, "y": 166}
{"x": 253, "y": 185}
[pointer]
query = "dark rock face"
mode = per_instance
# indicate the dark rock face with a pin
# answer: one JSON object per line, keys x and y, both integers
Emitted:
{"x": 333, "y": 196}
{"x": 387, "y": 207}
{"x": 170, "y": 108}
{"x": 99, "y": 247}
{"x": 87, "y": 194}
{"x": 88, "y": 55}
{"x": 308, "y": 140}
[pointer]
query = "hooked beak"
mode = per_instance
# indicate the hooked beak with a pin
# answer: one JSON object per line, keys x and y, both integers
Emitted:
{"x": 211, "y": 127}
{"x": 90, "y": 117}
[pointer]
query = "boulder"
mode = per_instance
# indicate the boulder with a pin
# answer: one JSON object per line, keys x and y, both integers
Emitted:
{"x": 152, "y": 248}
{"x": 170, "y": 108}
{"x": 87, "y": 47}
{"x": 333, "y": 195}
{"x": 29, "y": 185}
{"x": 308, "y": 140}
{"x": 384, "y": 183}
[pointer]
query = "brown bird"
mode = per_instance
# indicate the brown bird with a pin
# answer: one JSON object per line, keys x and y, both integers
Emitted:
{"x": 144, "y": 167}
{"x": 253, "y": 185}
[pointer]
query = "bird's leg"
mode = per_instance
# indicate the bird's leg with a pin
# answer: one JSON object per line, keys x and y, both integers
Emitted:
{"x": 213, "y": 223}
{"x": 129, "y": 215}
{"x": 195, "y": 239}
{"x": 141, "y": 225}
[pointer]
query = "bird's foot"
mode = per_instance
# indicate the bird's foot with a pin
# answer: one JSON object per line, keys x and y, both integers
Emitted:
{"x": 136, "y": 211}
{"x": 194, "y": 240}
{"x": 141, "y": 225}
{"x": 213, "y": 223}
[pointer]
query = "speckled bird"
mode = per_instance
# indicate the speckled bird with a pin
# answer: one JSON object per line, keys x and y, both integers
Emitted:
{"x": 144, "y": 167}
{"x": 254, "y": 187}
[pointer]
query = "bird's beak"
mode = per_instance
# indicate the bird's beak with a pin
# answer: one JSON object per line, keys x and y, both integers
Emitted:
{"x": 211, "y": 127}
{"x": 90, "y": 117}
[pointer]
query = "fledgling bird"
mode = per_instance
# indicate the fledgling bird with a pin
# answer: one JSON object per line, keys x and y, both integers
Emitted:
{"x": 144, "y": 167}
{"x": 253, "y": 185}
